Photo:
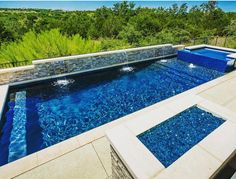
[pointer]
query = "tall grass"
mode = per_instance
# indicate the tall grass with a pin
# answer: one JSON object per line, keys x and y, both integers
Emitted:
{"x": 114, "y": 44}
{"x": 46, "y": 45}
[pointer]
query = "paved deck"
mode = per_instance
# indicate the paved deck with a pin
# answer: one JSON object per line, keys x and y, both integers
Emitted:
{"x": 223, "y": 94}
{"x": 93, "y": 160}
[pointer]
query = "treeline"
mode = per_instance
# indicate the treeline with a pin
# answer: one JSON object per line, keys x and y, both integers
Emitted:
{"x": 123, "y": 25}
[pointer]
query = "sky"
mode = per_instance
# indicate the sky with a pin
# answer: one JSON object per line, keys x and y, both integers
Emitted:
{"x": 228, "y": 6}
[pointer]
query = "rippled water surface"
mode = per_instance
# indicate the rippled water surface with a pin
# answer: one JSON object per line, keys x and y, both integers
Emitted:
{"x": 40, "y": 115}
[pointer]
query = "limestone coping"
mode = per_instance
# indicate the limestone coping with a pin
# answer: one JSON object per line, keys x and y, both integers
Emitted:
{"x": 233, "y": 55}
{"x": 210, "y": 46}
{"x": 178, "y": 46}
{"x": 14, "y": 69}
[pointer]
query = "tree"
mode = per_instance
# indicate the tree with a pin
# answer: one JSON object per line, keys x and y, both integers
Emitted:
{"x": 106, "y": 23}
{"x": 183, "y": 10}
{"x": 124, "y": 9}
{"x": 5, "y": 34}
{"x": 230, "y": 30}
{"x": 146, "y": 22}
{"x": 77, "y": 23}
{"x": 217, "y": 20}
{"x": 208, "y": 7}
{"x": 130, "y": 34}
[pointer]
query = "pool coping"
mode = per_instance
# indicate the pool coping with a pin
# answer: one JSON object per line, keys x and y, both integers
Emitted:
{"x": 14, "y": 69}
{"x": 141, "y": 163}
{"x": 39, "y": 158}
{"x": 210, "y": 46}
{"x": 233, "y": 55}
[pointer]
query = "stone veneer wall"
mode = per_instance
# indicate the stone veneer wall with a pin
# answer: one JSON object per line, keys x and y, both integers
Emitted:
{"x": 49, "y": 68}
{"x": 118, "y": 168}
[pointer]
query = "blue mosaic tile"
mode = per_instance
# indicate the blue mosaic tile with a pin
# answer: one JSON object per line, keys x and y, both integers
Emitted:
{"x": 169, "y": 140}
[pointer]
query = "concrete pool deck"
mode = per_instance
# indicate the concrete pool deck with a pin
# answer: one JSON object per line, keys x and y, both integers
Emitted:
{"x": 88, "y": 155}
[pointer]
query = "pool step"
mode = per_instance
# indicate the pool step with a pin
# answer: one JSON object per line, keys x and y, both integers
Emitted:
{"x": 183, "y": 78}
{"x": 18, "y": 133}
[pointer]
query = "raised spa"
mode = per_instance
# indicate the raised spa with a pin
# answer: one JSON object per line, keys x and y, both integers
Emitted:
{"x": 217, "y": 59}
{"x": 41, "y": 114}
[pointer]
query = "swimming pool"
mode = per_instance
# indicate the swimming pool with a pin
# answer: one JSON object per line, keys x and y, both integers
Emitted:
{"x": 42, "y": 114}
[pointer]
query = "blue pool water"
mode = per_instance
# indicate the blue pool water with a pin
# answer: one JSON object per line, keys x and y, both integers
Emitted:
{"x": 169, "y": 140}
{"x": 39, "y": 115}
{"x": 218, "y": 54}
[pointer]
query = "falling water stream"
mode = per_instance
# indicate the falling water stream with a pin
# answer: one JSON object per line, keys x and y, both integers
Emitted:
{"x": 163, "y": 60}
{"x": 126, "y": 67}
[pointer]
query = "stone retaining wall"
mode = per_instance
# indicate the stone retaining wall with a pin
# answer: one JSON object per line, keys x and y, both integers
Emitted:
{"x": 118, "y": 168}
{"x": 49, "y": 68}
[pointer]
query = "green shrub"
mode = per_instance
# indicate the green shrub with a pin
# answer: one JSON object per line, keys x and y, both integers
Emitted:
{"x": 46, "y": 45}
{"x": 113, "y": 44}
